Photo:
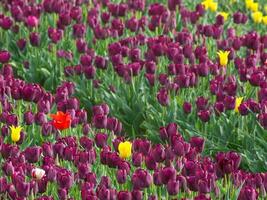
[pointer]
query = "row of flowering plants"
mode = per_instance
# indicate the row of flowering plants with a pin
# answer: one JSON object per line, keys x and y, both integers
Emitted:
{"x": 92, "y": 93}
{"x": 50, "y": 150}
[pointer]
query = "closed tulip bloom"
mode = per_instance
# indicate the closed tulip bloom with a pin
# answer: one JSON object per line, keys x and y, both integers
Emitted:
{"x": 101, "y": 139}
{"x": 23, "y": 188}
{"x": 248, "y": 193}
{"x": 223, "y": 57}
{"x": 3, "y": 185}
{"x": 38, "y": 173}
{"x": 65, "y": 179}
{"x": 15, "y": 133}
{"x": 204, "y": 115}
{"x": 198, "y": 143}
{"x": 124, "y": 195}
{"x": 187, "y": 107}
{"x": 32, "y": 154}
{"x": 4, "y": 56}
{"x": 28, "y": 117}
{"x": 173, "y": 187}
{"x": 125, "y": 149}
{"x": 163, "y": 97}
{"x": 137, "y": 195}
{"x": 100, "y": 121}
{"x": 121, "y": 176}
{"x": 32, "y": 21}
{"x": 167, "y": 174}
{"x": 158, "y": 153}
{"x": 35, "y": 39}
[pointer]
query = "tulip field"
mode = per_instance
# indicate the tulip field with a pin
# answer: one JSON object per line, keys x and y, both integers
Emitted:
{"x": 133, "y": 100}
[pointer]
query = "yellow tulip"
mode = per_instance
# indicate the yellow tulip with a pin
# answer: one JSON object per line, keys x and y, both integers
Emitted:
{"x": 210, "y": 4}
{"x": 257, "y": 17}
{"x": 238, "y": 102}
{"x": 249, "y": 3}
{"x": 265, "y": 9}
{"x": 206, "y": 4}
{"x": 15, "y": 133}
{"x": 254, "y": 7}
{"x": 224, "y": 15}
{"x": 264, "y": 20}
{"x": 213, "y": 6}
{"x": 223, "y": 57}
{"x": 125, "y": 149}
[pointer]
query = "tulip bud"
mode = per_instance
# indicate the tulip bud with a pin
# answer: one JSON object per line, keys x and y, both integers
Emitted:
{"x": 101, "y": 139}
{"x": 173, "y": 187}
{"x": 32, "y": 21}
{"x": 4, "y": 56}
{"x": 28, "y": 118}
{"x": 121, "y": 176}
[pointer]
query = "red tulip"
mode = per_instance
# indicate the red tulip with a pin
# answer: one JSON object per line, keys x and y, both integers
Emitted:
{"x": 61, "y": 120}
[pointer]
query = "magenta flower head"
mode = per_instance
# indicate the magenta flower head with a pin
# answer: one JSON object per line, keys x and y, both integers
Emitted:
{"x": 137, "y": 159}
{"x": 248, "y": 192}
{"x": 163, "y": 97}
{"x": 173, "y": 187}
{"x": 158, "y": 153}
{"x": 124, "y": 195}
{"x": 3, "y": 185}
{"x": 121, "y": 176}
{"x": 204, "y": 115}
{"x": 101, "y": 62}
{"x": 28, "y": 117}
{"x": 65, "y": 179}
{"x": 137, "y": 195}
{"x": 167, "y": 174}
{"x": 4, "y": 56}
{"x": 101, "y": 139}
{"x": 238, "y": 17}
{"x": 100, "y": 121}
{"x": 62, "y": 193}
{"x": 35, "y": 39}
{"x": 198, "y": 143}
{"x": 89, "y": 72}
{"x": 32, "y": 21}
{"x": 141, "y": 179}
{"x": 187, "y": 107}
{"x": 22, "y": 188}
{"x": 6, "y": 23}
{"x": 32, "y": 154}
{"x": 79, "y": 30}
{"x": 40, "y": 118}
{"x": 201, "y": 103}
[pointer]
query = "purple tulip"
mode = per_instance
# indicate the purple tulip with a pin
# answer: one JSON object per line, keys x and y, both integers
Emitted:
{"x": 32, "y": 21}
{"x": 32, "y": 154}
{"x": 121, "y": 176}
{"x": 124, "y": 195}
{"x": 35, "y": 39}
{"x": 173, "y": 187}
{"x": 248, "y": 193}
{"x": 28, "y": 118}
{"x": 101, "y": 140}
{"x": 100, "y": 121}
{"x": 198, "y": 143}
{"x": 167, "y": 174}
{"x": 65, "y": 179}
{"x": 187, "y": 107}
{"x": 4, "y": 56}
